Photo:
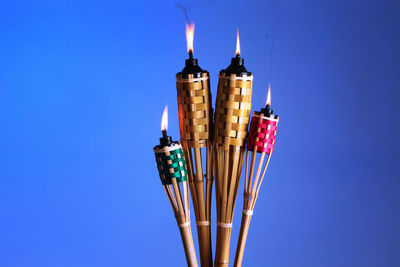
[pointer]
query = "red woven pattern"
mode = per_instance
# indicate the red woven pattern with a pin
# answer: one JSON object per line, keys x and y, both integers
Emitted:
{"x": 262, "y": 133}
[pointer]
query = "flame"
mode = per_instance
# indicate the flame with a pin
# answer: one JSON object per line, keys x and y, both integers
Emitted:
{"x": 164, "y": 120}
{"x": 237, "y": 44}
{"x": 189, "y": 37}
{"x": 269, "y": 96}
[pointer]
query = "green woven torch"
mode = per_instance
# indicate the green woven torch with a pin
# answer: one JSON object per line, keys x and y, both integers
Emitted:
{"x": 172, "y": 169}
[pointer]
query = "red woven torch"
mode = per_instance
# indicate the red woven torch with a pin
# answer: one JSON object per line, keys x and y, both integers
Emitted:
{"x": 261, "y": 139}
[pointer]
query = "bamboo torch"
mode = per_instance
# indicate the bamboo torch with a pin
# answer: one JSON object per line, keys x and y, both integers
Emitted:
{"x": 261, "y": 139}
{"x": 173, "y": 173}
{"x": 232, "y": 116}
{"x": 195, "y": 122}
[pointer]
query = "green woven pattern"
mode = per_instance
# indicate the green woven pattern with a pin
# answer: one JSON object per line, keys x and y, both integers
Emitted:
{"x": 172, "y": 166}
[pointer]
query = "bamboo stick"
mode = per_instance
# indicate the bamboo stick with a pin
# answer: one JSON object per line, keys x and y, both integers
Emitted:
{"x": 235, "y": 179}
{"x": 244, "y": 229}
{"x": 188, "y": 245}
{"x": 240, "y": 171}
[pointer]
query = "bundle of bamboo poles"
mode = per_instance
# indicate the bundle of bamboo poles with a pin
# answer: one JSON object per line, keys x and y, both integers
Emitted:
{"x": 261, "y": 139}
{"x": 232, "y": 116}
{"x": 195, "y": 124}
{"x": 173, "y": 174}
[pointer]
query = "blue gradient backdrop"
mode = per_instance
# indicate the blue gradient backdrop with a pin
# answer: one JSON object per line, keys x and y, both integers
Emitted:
{"x": 82, "y": 88}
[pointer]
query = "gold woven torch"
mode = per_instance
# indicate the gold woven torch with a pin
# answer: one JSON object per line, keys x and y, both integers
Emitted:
{"x": 195, "y": 124}
{"x": 232, "y": 115}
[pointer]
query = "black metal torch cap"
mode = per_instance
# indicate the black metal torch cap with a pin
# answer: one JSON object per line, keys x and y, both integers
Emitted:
{"x": 237, "y": 67}
{"x": 191, "y": 67}
{"x": 267, "y": 111}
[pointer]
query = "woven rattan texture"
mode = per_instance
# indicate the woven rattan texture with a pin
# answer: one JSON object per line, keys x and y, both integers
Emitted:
{"x": 171, "y": 164}
{"x": 194, "y": 109}
{"x": 232, "y": 109}
{"x": 262, "y": 133}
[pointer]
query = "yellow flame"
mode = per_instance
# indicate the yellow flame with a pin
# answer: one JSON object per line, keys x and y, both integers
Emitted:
{"x": 164, "y": 120}
{"x": 237, "y": 43}
{"x": 269, "y": 96}
{"x": 189, "y": 37}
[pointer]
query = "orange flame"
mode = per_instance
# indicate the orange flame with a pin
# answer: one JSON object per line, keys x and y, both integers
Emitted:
{"x": 269, "y": 96}
{"x": 164, "y": 120}
{"x": 189, "y": 37}
{"x": 237, "y": 43}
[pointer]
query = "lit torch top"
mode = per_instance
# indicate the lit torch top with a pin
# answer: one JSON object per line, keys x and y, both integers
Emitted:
{"x": 194, "y": 99}
{"x": 233, "y": 105}
{"x": 169, "y": 156}
{"x": 191, "y": 64}
{"x": 237, "y": 63}
{"x": 263, "y": 128}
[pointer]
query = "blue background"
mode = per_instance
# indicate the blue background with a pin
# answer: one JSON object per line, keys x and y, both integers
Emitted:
{"x": 82, "y": 88}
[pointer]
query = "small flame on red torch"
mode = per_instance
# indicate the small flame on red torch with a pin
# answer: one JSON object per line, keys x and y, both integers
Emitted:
{"x": 189, "y": 37}
{"x": 164, "y": 120}
{"x": 269, "y": 96}
{"x": 237, "y": 43}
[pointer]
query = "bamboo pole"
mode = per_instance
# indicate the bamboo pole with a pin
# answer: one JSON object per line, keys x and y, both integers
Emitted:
{"x": 232, "y": 115}
{"x": 261, "y": 139}
{"x": 244, "y": 229}
{"x": 195, "y": 124}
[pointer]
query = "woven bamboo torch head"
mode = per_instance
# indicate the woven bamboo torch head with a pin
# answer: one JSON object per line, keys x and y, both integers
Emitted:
{"x": 171, "y": 163}
{"x": 263, "y": 128}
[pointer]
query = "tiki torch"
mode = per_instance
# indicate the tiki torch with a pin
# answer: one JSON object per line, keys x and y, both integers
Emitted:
{"x": 173, "y": 173}
{"x": 232, "y": 116}
{"x": 261, "y": 139}
{"x": 195, "y": 122}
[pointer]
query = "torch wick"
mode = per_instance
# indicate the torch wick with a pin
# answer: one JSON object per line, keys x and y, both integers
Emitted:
{"x": 164, "y": 133}
{"x": 190, "y": 54}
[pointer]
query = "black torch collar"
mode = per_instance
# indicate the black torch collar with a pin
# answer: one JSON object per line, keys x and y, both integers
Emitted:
{"x": 165, "y": 140}
{"x": 192, "y": 67}
{"x": 266, "y": 112}
{"x": 236, "y": 67}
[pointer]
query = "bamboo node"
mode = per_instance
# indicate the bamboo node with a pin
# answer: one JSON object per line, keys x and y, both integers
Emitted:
{"x": 186, "y": 224}
{"x": 203, "y": 223}
{"x": 248, "y": 212}
{"x": 224, "y": 225}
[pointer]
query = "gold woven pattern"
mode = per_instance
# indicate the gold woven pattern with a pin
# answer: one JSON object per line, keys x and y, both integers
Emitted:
{"x": 194, "y": 109}
{"x": 232, "y": 108}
